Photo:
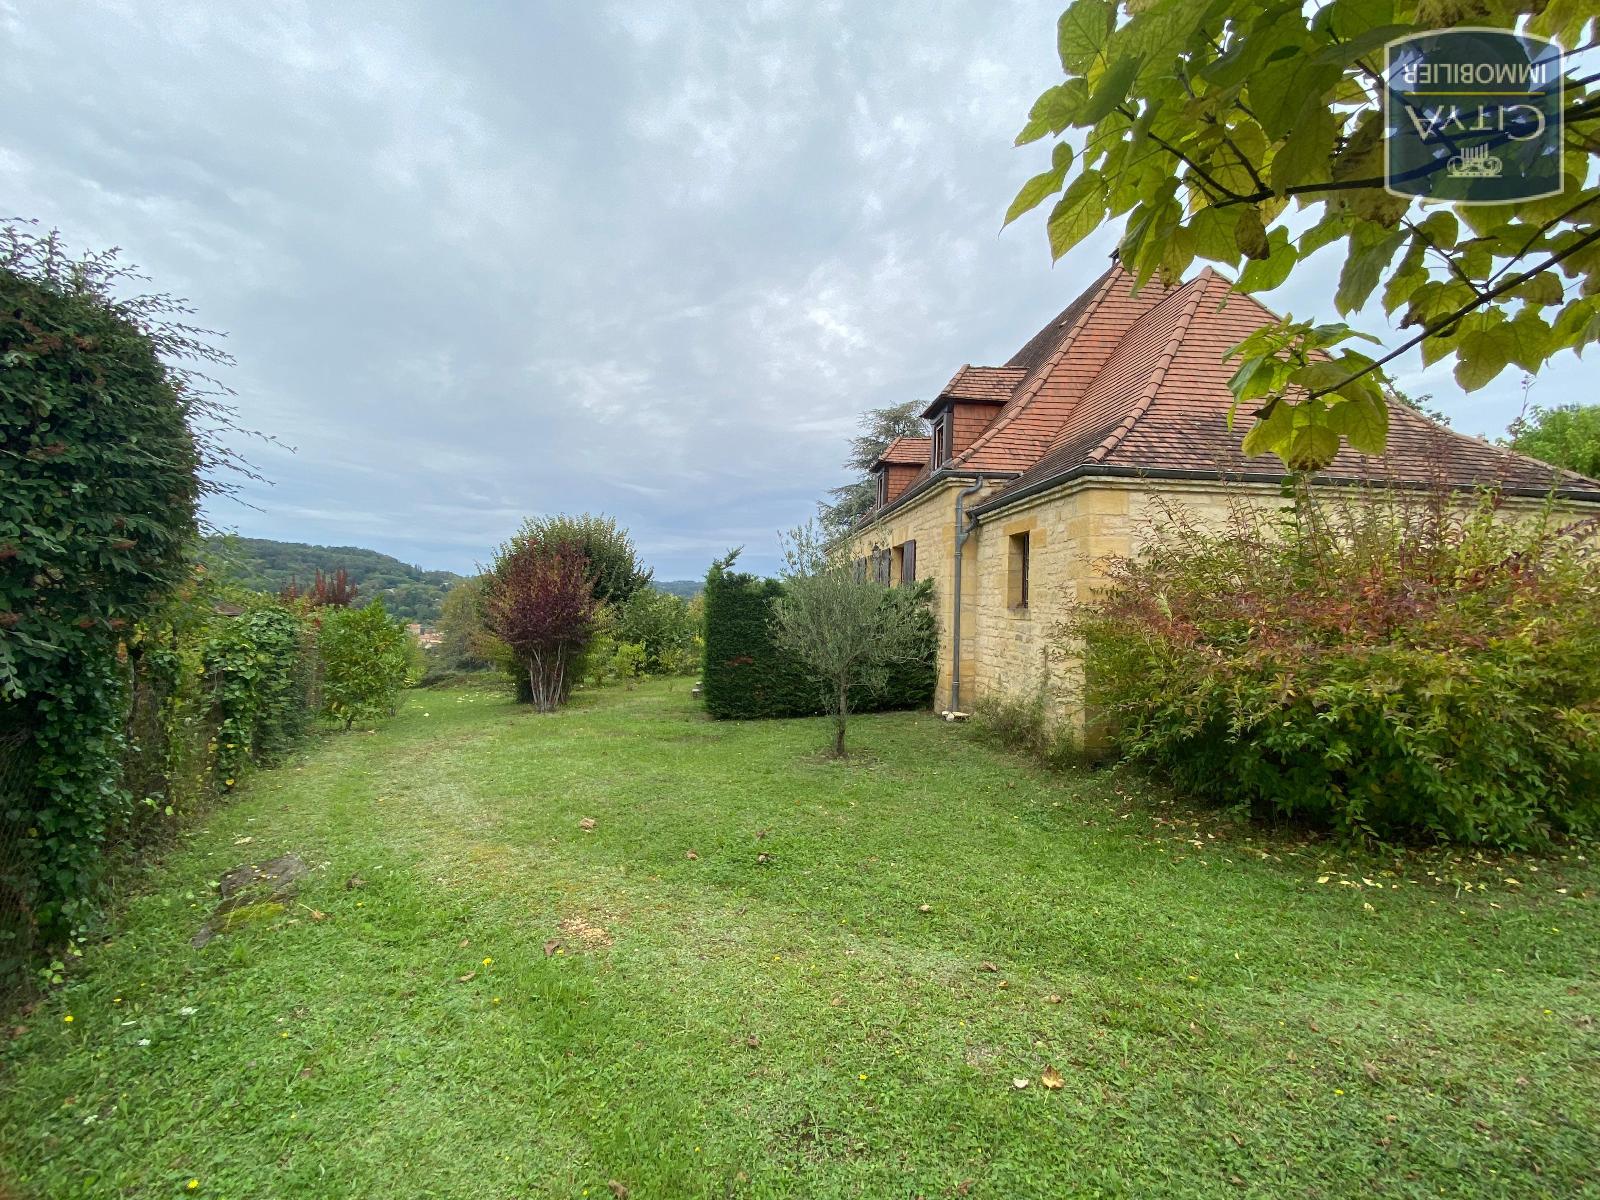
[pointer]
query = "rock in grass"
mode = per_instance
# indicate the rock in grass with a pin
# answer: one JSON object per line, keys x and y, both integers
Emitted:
{"x": 252, "y": 892}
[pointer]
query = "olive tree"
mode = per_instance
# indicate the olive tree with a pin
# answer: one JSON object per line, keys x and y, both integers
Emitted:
{"x": 846, "y": 627}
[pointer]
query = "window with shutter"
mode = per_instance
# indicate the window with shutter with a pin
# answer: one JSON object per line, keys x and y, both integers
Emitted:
{"x": 908, "y": 562}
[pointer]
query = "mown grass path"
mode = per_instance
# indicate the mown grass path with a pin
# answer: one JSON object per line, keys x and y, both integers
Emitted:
{"x": 1223, "y": 1023}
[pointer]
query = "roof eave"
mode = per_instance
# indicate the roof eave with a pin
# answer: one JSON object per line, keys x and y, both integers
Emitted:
{"x": 939, "y": 476}
{"x": 1100, "y": 470}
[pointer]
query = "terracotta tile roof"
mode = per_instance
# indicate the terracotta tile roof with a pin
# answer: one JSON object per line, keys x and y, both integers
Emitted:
{"x": 1160, "y": 404}
{"x": 983, "y": 383}
{"x": 1129, "y": 384}
{"x": 906, "y": 452}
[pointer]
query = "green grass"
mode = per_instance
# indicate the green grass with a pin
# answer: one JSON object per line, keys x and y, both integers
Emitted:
{"x": 1225, "y": 1024}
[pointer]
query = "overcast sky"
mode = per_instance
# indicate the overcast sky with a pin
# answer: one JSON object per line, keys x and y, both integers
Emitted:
{"x": 482, "y": 260}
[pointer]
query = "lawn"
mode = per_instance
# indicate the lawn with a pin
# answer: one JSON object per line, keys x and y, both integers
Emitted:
{"x": 1231, "y": 1012}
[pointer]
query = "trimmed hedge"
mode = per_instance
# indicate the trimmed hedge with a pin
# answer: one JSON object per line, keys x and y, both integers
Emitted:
{"x": 746, "y": 676}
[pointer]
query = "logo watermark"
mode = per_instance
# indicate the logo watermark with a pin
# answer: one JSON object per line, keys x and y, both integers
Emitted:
{"x": 1473, "y": 116}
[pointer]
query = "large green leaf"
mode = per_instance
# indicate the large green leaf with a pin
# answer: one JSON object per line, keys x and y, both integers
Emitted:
{"x": 1363, "y": 420}
{"x": 1264, "y": 274}
{"x": 1082, "y": 31}
{"x": 1111, "y": 91}
{"x": 1303, "y": 157}
{"x": 1078, "y": 213}
{"x": 1371, "y": 249}
{"x": 1041, "y": 185}
{"x": 1483, "y": 354}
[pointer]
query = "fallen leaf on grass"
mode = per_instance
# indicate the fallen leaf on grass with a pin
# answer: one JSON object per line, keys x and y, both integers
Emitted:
{"x": 1371, "y": 1071}
{"x": 354, "y": 882}
{"x": 987, "y": 966}
{"x": 467, "y": 978}
{"x": 753, "y": 1042}
{"x": 1051, "y": 1078}
{"x": 1004, "y": 983}
{"x": 586, "y": 824}
{"x": 1052, "y": 998}
{"x": 763, "y": 859}
{"x": 317, "y": 914}
{"x": 618, "y": 1190}
{"x": 552, "y": 946}
{"x": 690, "y": 855}
{"x": 924, "y": 908}
{"x": 1019, "y": 1083}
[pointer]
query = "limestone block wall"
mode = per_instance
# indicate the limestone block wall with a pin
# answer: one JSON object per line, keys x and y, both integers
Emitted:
{"x": 1071, "y": 533}
{"x": 930, "y": 521}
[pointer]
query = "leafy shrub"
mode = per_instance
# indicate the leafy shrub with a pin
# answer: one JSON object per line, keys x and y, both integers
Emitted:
{"x": 628, "y": 660}
{"x": 746, "y": 675}
{"x": 262, "y": 668}
{"x": 662, "y": 625}
{"x": 1381, "y": 666}
{"x": 539, "y": 603}
{"x": 614, "y": 567}
{"x": 99, "y": 483}
{"x": 1028, "y": 725}
{"x": 366, "y": 661}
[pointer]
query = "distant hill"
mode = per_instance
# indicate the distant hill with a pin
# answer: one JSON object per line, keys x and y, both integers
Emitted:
{"x": 408, "y": 593}
{"x": 687, "y": 588}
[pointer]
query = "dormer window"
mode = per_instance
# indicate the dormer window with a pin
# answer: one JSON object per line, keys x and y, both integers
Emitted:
{"x": 883, "y": 486}
{"x": 941, "y": 439}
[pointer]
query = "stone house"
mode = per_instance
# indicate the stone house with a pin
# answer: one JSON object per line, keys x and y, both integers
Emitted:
{"x": 1112, "y": 415}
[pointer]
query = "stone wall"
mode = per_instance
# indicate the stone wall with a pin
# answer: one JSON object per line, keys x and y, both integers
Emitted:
{"x": 930, "y": 520}
{"x": 1012, "y": 650}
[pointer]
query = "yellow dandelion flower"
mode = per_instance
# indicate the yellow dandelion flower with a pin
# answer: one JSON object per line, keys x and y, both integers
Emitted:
{"x": 67, "y": 1018}
{"x": 863, "y": 1075}
{"x": 192, "y": 1184}
{"x": 487, "y": 961}
{"x": 1338, "y": 1091}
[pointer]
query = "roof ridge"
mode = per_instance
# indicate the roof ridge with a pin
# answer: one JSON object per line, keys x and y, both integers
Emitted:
{"x": 1157, "y": 374}
{"x": 1042, "y": 372}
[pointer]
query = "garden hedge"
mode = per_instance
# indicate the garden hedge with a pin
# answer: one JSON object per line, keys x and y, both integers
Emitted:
{"x": 745, "y": 675}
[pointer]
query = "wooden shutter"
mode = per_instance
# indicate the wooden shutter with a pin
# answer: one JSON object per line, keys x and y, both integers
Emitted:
{"x": 908, "y": 562}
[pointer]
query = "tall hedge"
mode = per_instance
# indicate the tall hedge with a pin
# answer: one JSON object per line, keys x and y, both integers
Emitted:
{"x": 99, "y": 486}
{"x": 745, "y": 675}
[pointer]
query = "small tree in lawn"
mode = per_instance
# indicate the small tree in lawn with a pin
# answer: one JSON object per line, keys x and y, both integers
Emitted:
{"x": 366, "y": 657}
{"x": 847, "y": 628}
{"x": 540, "y": 603}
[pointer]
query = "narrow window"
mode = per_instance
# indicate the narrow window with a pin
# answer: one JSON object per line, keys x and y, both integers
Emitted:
{"x": 938, "y": 443}
{"x": 1017, "y": 584}
{"x": 883, "y": 487}
{"x": 897, "y": 564}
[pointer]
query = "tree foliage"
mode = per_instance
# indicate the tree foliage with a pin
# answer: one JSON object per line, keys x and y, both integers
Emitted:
{"x": 100, "y": 476}
{"x": 1203, "y": 123}
{"x": 262, "y": 565}
{"x": 1381, "y": 664}
{"x": 540, "y": 603}
{"x": 879, "y": 427}
{"x": 662, "y": 625}
{"x": 613, "y": 563}
{"x": 462, "y": 637}
{"x": 326, "y": 591}
{"x": 1567, "y": 435}
{"x": 366, "y": 657}
{"x": 847, "y": 628}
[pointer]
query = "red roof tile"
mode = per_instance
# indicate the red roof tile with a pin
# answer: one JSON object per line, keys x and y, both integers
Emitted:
{"x": 906, "y": 452}
{"x": 1127, "y": 384}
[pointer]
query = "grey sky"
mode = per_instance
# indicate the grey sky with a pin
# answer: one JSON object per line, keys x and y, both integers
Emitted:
{"x": 482, "y": 260}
